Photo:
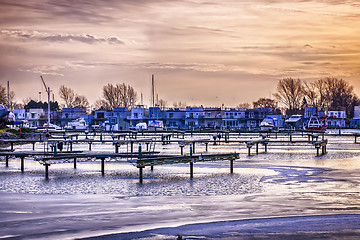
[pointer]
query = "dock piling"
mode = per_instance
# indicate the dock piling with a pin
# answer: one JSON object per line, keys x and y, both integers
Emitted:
{"x": 181, "y": 149}
{"x": 22, "y": 163}
{"x": 231, "y": 166}
{"x": 47, "y": 171}
{"x": 74, "y": 163}
{"x": 102, "y": 166}
{"x": 7, "y": 161}
{"x": 141, "y": 174}
{"x": 191, "y": 170}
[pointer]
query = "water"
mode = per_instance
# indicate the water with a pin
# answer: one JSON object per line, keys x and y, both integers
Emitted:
{"x": 287, "y": 181}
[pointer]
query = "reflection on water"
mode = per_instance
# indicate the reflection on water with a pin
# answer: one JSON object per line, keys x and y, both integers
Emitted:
{"x": 163, "y": 181}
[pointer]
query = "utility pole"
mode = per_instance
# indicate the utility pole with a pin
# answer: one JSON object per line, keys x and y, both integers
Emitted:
{"x": 47, "y": 89}
{"x": 8, "y": 93}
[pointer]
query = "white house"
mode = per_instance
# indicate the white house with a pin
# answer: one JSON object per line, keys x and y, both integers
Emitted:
{"x": 35, "y": 116}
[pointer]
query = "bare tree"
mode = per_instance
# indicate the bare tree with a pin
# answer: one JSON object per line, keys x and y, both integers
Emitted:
{"x": 290, "y": 92}
{"x": 3, "y": 95}
{"x": 119, "y": 95}
{"x": 311, "y": 96}
{"x": 179, "y": 104}
{"x": 81, "y": 102}
{"x": 67, "y": 95}
{"x": 71, "y": 99}
{"x": 340, "y": 95}
{"x": 244, "y": 105}
{"x": 9, "y": 101}
{"x": 162, "y": 103}
{"x": 265, "y": 103}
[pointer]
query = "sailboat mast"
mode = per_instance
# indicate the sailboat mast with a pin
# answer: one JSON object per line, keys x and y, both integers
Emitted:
{"x": 152, "y": 90}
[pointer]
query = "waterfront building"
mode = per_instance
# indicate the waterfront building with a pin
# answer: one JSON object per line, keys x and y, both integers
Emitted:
{"x": 174, "y": 118}
{"x": 194, "y": 117}
{"x": 234, "y": 118}
{"x": 36, "y": 117}
{"x": 355, "y": 122}
{"x": 213, "y": 117}
{"x": 117, "y": 119}
{"x": 336, "y": 119}
{"x": 294, "y": 122}
{"x": 69, "y": 114}
{"x": 253, "y": 117}
{"x": 138, "y": 114}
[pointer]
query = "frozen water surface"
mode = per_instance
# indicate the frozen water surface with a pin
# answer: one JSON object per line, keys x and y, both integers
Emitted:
{"x": 282, "y": 185}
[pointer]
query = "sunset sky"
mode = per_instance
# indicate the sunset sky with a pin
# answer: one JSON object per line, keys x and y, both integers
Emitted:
{"x": 201, "y": 52}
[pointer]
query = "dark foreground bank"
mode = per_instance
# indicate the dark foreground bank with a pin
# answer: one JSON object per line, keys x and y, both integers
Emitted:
{"x": 306, "y": 227}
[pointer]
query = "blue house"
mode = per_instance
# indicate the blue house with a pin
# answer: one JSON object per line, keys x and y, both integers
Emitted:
{"x": 174, "y": 118}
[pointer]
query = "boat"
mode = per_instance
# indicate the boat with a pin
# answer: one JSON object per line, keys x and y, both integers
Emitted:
{"x": 78, "y": 124}
{"x": 155, "y": 125}
{"x": 316, "y": 124}
{"x": 267, "y": 124}
{"x": 49, "y": 127}
{"x": 4, "y": 114}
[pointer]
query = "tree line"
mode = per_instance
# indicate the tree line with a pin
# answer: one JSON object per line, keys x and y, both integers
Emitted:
{"x": 292, "y": 96}
{"x": 326, "y": 93}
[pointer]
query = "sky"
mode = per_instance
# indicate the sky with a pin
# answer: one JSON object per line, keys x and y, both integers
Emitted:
{"x": 201, "y": 52}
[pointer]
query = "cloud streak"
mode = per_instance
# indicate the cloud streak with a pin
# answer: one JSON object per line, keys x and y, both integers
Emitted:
{"x": 59, "y": 38}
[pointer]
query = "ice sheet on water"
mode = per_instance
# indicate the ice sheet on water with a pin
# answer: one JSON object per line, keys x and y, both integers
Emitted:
{"x": 161, "y": 182}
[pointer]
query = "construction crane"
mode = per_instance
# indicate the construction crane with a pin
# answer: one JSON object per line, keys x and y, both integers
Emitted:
{"x": 47, "y": 89}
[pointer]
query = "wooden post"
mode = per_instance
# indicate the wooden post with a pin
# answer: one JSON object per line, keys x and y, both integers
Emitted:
{"x": 231, "y": 166}
{"x": 152, "y": 168}
{"x": 131, "y": 146}
{"x": 12, "y": 146}
{"x": 206, "y": 146}
{"x": 22, "y": 163}
{"x": 90, "y": 146}
{"x": 181, "y": 149}
{"x": 33, "y": 146}
{"x": 7, "y": 161}
{"x": 191, "y": 164}
{"x": 102, "y": 167}
{"x": 140, "y": 152}
{"x": 147, "y": 146}
{"x": 141, "y": 174}
{"x": 257, "y": 148}
{"x": 193, "y": 150}
{"x": 47, "y": 171}
{"x": 116, "y": 147}
{"x": 71, "y": 145}
{"x": 317, "y": 150}
{"x": 74, "y": 163}
{"x": 249, "y": 147}
{"x": 265, "y": 144}
{"x": 191, "y": 170}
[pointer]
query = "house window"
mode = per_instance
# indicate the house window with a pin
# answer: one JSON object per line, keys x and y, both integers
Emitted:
{"x": 135, "y": 115}
{"x": 251, "y": 114}
{"x": 171, "y": 115}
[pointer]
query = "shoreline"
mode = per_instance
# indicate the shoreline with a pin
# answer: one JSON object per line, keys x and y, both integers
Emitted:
{"x": 346, "y": 226}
